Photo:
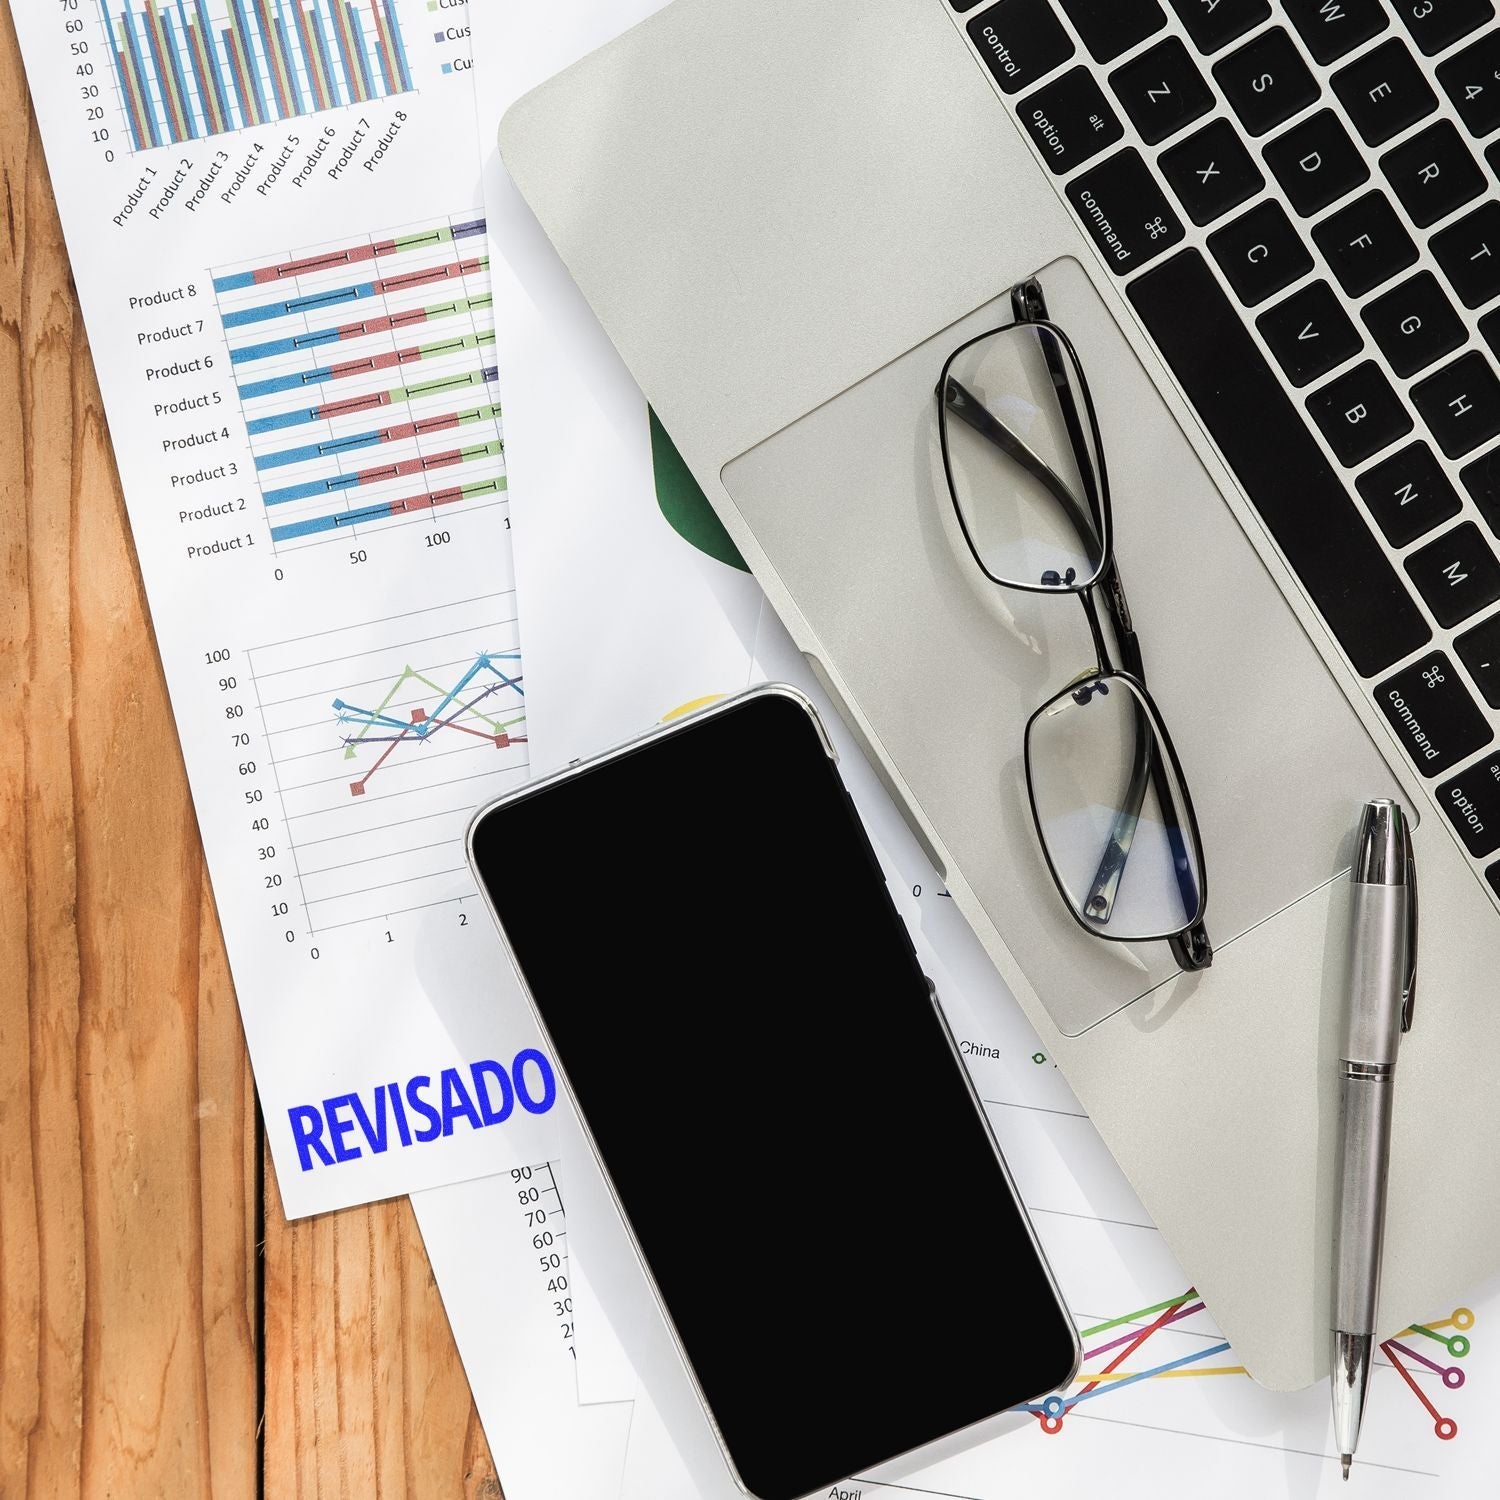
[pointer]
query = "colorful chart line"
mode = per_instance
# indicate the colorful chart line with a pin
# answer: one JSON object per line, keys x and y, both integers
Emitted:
{"x": 414, "y": 354}
{"x": 387, "y": 509}
{"x": 454, "y": 711}
{"x": 344, "y": 332}
{"x": 349, "y": 255}
{"x": 186, "y": 75}
{"x": 1051, "y": 1411}
{"x": 397, "y": 395}
{"x": 375, "y": 437}
{"x": 383, "y": 472}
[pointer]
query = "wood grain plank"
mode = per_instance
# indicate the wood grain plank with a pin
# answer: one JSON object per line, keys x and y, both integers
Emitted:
{"x": 365, "y": 1395}
{"x": 134, "y": 1337}
{"x": 129, "y": 1327}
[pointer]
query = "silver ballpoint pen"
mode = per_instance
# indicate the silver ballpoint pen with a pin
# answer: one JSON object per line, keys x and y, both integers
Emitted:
{"x": 1382, "y": 987}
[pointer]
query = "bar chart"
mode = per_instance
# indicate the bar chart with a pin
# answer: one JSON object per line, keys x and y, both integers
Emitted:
{"x": 366, "y": 373}
{"x": 191, "y": 69}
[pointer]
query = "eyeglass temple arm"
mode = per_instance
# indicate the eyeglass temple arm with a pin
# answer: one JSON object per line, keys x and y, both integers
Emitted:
{"x": 970, "y": 410}
{"x": 1191, "y": 948}
{"x": 1030, "y": 306}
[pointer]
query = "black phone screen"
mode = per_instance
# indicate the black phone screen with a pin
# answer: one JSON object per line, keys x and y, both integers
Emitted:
{"x": 741, "y": 1017}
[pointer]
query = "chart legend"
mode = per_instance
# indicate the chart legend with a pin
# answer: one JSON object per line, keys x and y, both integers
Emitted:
{"x": 366, "y": 374}
{"x": 384, "y": 737}
{"x": 190, "y": 69}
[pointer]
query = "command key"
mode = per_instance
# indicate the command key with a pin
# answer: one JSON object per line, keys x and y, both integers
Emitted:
{"x": 1126, "y": 214}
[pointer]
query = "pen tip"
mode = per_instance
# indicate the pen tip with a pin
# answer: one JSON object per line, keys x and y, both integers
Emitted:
{"x": 1346, "y": 1459}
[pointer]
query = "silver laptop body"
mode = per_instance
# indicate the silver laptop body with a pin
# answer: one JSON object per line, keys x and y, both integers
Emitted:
{"x": 787, "y": 213}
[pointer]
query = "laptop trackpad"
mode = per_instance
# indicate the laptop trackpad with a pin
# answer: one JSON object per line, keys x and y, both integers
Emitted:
{"x": 851, "y": 506}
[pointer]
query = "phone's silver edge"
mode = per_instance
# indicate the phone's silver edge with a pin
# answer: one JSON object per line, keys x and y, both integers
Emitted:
{"x": 661, "y": 731}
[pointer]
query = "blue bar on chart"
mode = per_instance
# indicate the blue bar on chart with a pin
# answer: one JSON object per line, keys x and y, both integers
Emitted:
{"x": 190, "y": 69}
{"x": 366, "y": 374}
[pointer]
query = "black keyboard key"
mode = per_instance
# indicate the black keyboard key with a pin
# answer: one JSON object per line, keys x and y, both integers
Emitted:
{"x": 1211, "y": 172}
{"x": 1433, "y": 173}
{"x": 1365, "y": 244}
{"x": 1359, "y": 414}
{"x": 1432, "y": 713}
{"x": 1489, "y": 326}
{"x": 1070, "y": 120}
{"x": 1110, "y": 27}
{"x": 1124, "y": 211}
{"x": 1263, "y": 438}
{"x": 1215, "y": 23}
{"x": 1481, "y": 480}
{"x": 1384, "y": 92}
{"x": 1479, "y": 650}
{"x": 1469, "y": 254}
{"x": 1316, "y": 163}
{"x": 1461, "y": 404}
{"x": 1415, "y": 324}
{"x": 1266, "y": 81}
{"x": 1457, "y": 574}
{"x": 1472, "y": 802}
{"x": 1260, "y": 252}
{"x": 1310, "y": 333}
{"x": 1162, "y": 90}
{"x": 1471, "y": 79}
{"x": 1436, "y": 24}
{"x": 1021, "y": 41}
{"x": 1408, "y": 494}
{"x": 1331, "y": 28}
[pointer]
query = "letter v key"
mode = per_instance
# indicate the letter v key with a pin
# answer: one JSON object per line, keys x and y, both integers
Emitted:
{"x": 1310, "y": 333}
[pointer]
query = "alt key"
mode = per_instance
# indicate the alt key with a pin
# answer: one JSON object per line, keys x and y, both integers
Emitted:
{"x": 1070, "y": 120}
{"x": 1472, "y": 801}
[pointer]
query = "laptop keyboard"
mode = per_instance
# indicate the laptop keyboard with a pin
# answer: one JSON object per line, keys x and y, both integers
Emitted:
{"x": 1300, "y": 200}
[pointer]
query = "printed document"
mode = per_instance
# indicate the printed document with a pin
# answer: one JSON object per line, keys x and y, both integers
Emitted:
{"x": 273, "y": 212}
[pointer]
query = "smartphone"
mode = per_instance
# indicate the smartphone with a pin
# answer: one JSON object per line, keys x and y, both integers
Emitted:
{"x": 733, "y": 1000}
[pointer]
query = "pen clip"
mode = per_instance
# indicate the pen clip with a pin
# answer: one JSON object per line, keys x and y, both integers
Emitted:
{"x": 1409, "y": 984}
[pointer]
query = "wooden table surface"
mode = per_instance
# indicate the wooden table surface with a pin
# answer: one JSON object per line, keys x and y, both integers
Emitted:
{"x": 163, "y": 1330}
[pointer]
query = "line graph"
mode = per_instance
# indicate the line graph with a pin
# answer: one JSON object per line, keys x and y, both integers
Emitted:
{"x": 1145, "y": 1322}
{"x": 366, "y": 370}
{"x": 424, "y": 724}
{"x": 384, "y": 737}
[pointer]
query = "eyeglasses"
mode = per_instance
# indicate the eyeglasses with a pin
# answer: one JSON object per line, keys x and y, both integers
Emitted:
{"x": 1025, "y": 470}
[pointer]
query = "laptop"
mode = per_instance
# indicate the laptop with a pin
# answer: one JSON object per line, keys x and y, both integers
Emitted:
{"x": 1271, "y": 234}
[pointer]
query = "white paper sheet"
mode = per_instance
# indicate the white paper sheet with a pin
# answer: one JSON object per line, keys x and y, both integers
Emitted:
{"x": 274, "y": 217}
{"x": 602, "y": 1367}
{"x": 1167, "y": 1421}
{"x": 500, "y": 1256}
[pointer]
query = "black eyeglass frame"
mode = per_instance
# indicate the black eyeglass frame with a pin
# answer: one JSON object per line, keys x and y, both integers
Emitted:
{"x": 1189, "y": 943}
